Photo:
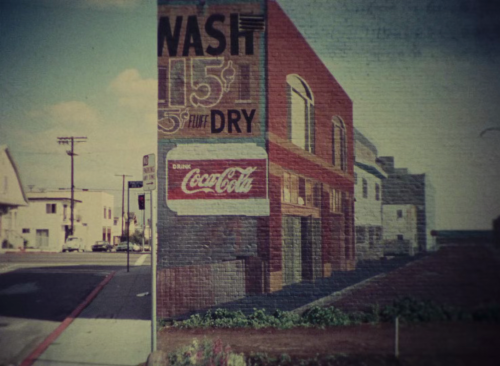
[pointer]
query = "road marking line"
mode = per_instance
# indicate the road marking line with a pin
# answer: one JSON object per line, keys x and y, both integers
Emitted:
{"x": 141, "y": 260}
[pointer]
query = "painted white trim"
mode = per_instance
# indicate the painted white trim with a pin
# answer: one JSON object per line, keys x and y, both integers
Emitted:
{"x": 232, "y": 151}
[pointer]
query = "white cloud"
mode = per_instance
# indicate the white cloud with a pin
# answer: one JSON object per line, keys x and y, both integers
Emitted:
{"x": 72, "y": 114}
{"x": 72, "y": 118}
{"x": 120, "y": 129}
{"x": 134, "y": 92}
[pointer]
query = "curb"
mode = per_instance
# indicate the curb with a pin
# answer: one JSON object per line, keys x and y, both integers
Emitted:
{"x": 33, "y": 356}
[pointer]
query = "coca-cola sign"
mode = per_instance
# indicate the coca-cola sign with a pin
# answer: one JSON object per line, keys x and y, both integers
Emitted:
{"x": 217, "y": 179}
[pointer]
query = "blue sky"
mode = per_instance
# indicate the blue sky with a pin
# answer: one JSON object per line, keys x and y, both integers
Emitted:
{"x": 423, "y": 76}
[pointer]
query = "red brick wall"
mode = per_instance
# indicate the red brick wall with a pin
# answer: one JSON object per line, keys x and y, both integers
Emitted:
{"x": 289, "y": 53}
{"x": 188, "y": 288}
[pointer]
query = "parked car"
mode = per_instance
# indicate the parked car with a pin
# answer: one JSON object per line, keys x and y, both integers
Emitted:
{"x": 102, "y": 246}
{"x": 122, "y": 247}
{"x": 73, "y": 243}
{"x": 147, "y": 247}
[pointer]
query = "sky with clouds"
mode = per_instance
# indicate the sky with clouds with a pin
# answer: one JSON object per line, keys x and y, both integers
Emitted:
{"x": 423, "y": 76}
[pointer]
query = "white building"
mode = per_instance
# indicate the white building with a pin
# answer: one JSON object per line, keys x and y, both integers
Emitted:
{"x": 368, "y": 199}
{"x": 45, "y": 223}
{"x": 400, "y": 229}
{"x": 93, "y": 214}
{"x": 11, "y": 196}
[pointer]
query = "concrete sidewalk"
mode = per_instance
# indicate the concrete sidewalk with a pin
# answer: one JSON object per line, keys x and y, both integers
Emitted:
{"x": 115, "y": 329}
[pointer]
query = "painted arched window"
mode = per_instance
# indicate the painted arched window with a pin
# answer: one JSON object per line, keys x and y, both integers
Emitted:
{"x": 300, "y": 113}
{"x": 339, "y": 143}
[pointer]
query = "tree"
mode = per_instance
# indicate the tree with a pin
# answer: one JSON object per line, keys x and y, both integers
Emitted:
{"x": 136, "y": 237}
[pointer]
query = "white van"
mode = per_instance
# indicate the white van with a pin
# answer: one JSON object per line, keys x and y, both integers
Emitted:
{"x": 73, "y": 243}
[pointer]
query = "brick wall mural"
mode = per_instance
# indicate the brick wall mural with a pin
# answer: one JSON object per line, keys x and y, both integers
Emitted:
{"x": 268, "y": 196}
{"x": 255, "y": 156}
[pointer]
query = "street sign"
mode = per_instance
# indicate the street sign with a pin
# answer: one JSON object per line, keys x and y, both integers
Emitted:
{"x": 135, "y": 184}
{"x": 149, "y": 172}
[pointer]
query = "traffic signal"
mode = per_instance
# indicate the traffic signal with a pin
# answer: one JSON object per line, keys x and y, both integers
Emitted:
{"x": 141, "y": 201}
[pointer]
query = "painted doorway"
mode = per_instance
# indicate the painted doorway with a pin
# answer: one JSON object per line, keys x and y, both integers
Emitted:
{"x": 311, "y": 248}
{"x": 291, "y": 250}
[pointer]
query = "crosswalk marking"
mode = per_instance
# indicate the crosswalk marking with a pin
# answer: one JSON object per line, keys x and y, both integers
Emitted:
{"x": 140, "y": 260}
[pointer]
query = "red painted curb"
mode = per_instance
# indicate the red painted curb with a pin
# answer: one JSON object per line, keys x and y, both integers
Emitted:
{"x": 28, "y": 361}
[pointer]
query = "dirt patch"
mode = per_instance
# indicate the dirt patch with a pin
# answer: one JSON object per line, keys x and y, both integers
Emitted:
{"x": 460, "y": 343}
{"x": 465, "y": 277}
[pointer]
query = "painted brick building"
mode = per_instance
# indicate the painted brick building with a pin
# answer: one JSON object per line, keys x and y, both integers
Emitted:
{"x": 403, "y": 188}
{"x": 368, "y": 193}
{"x": 255, "y": 156}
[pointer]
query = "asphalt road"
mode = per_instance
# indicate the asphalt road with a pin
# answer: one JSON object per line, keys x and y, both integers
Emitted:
{"x": 74, "y": 258}
{"x": 39, "y": 290}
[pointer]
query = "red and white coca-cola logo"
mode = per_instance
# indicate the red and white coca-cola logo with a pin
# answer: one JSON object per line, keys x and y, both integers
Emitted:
{"x": 235, "y": 179}
{"x": 217, "y": 179}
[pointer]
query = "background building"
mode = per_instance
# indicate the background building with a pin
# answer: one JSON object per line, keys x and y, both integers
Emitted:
{"x": 45, "y": 223}
{"x": 368, "y": 193}
{"x": 403, "y": 188}
{"x": 400, "y": 230}
{"x": 11, "y": 196}
{"x": 255, "y": 173}
{"x": 93, "y": 217}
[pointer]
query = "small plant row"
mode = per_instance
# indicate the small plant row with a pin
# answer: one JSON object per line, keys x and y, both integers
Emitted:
{"x": 206, "y": 353}
{"x": 409, "y": 310}
{"x": 215, "y": 353}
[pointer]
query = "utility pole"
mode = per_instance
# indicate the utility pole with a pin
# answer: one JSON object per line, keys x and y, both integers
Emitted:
{"x": 123, "y": 198}
{"x": 65, "y": 141}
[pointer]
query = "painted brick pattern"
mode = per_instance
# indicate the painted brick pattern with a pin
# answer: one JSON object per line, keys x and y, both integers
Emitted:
{"x": 185, "y": 289}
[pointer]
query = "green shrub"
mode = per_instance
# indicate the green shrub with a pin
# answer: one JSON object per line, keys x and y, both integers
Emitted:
{"x": 288, "y": 319}
{"x": 324, "y": 317}
{"x": 412, "y": 310}
{"x": 408, "y": 309}
{"x": 488, "y": 313}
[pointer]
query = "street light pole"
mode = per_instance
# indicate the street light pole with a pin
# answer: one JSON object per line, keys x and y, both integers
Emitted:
{"x": 72, "y": 154}
{"x": 131, "y": 184}
{"x": 123, "y": 198}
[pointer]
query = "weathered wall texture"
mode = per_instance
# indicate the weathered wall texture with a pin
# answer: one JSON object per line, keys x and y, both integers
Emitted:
{"x": 264, "y": 185}
{"x": 256, "y": 154}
